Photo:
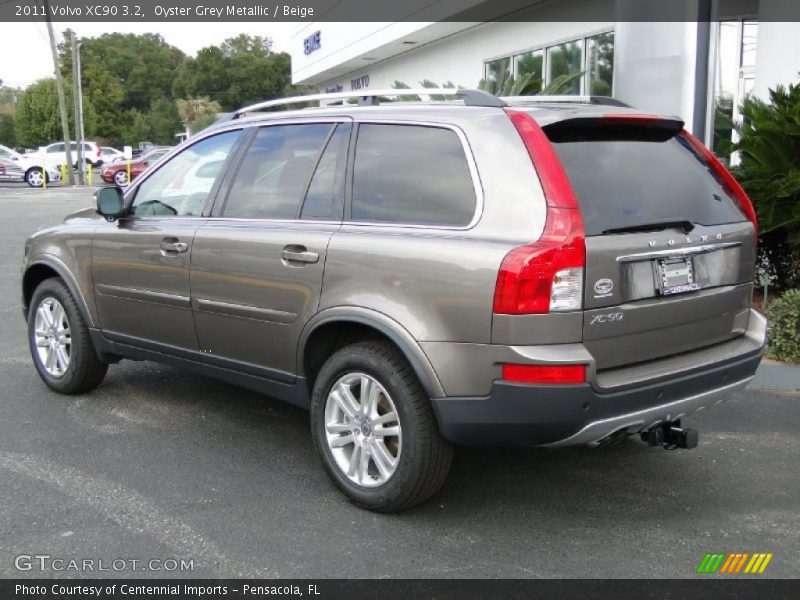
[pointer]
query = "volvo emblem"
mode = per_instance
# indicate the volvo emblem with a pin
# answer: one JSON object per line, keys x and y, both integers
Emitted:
{"x": 603, "y": 287}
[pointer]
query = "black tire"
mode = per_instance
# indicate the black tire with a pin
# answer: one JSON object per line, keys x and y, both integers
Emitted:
{"x": 425, "y": 459}
{"x": 85, "y": 370}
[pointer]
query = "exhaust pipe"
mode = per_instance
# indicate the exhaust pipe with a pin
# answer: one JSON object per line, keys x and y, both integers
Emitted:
{"x": 671, "y": 436}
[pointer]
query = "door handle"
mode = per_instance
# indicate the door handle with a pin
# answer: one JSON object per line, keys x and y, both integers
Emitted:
{"x": 301, "y": 254}
{"x": 173, "y": 246}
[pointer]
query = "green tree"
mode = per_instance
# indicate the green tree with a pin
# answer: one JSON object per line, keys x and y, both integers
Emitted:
{"x": 105, "y": 94}
{"x": 8, "y": 136}
{"x": 243, "y": 70}
{"x": 143, "y": 65}
{"x": 8, "y": 96}
{"x": 201, "y": 123}
{"x": 165, "y": 121}
{"x": 37, "y": 119}
{"x": 127, "y": 79}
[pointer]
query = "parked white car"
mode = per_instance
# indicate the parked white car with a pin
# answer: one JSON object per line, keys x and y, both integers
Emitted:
{"x": 32, "y": 167}
{"x": 111, "y": 155}
{"x": 56, "y": 154}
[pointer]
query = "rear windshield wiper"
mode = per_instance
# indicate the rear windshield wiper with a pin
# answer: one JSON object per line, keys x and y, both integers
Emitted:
{"x": 685, "y": 226}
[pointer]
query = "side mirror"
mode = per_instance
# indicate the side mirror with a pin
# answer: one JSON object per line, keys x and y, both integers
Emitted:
{"x": 110, "y": 203}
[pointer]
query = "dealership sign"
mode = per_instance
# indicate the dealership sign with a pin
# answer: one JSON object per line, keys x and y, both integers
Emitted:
{"x": 312, "y": 43}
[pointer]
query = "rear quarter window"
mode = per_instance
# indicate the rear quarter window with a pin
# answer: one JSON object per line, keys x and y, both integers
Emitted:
{"x": 411, "y": 174}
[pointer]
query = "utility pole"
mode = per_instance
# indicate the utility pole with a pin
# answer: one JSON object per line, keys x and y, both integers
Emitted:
{"x": 80, "y": 96}
{"x": 76, "y": 96}
{"x": 62, "y": 103}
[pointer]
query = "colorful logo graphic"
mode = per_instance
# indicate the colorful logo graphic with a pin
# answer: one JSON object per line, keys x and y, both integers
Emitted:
{"x": 734, "y": 563}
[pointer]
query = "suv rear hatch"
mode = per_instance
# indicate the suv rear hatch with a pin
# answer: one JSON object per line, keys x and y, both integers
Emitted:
{"x": 670, "y": 240}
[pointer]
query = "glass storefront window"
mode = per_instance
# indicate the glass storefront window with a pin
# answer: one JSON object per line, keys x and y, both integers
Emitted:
{"x": 600, "y": 69}
{"x": 497, "y": 72}
{"x": 734, "y": 76}
{"x": 581, "y": 66}
{"x": 564, "y": 61}
{"x": 530, "y": 65}
{"x": 749, "y": 42}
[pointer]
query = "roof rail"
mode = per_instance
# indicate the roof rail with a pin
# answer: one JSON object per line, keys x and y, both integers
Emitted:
{"x": 603, "y": 100}
{"x": 372, "y": 98}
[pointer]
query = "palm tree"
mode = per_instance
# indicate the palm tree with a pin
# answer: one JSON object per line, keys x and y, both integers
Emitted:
{"x": 769, "y": 149}
{"x": 504, "y": 85}
{"x": 192, "y": 109}
{"x": 529, "y": 84}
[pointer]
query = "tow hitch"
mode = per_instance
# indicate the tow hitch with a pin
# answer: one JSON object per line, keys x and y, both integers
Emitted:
{"x": 671, "y": 436}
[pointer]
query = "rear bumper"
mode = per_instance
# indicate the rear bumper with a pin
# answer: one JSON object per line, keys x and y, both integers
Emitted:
{"x": 563, "y": 415}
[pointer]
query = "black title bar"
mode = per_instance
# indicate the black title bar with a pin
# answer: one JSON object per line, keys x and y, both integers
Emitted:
{"x": 397, "y": 589}
{"x": 177, "y": 11}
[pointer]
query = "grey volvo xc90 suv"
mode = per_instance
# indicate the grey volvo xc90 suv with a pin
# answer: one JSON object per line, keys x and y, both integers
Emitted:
{"x": 481, "y": 271}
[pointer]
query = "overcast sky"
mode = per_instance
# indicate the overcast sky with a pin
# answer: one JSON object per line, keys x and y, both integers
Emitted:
{"x": 25, "y": 50}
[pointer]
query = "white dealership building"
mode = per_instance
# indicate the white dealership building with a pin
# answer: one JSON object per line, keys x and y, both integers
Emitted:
{"x": 690, "y": 68}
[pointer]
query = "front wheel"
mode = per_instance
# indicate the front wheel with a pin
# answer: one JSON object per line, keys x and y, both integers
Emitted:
{"x": 61, "y": 347}
{"x": 375, "y": 430}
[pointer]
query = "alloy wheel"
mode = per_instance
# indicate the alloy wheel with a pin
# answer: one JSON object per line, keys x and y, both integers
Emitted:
{"x": 35, "y": 178}
{"x": 362, "y": 429}
{"x": 53, "y": 337}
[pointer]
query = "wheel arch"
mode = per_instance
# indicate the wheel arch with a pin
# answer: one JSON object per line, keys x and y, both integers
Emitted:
{"x": 45, "y": 268}
{"x": 334, "y": 324}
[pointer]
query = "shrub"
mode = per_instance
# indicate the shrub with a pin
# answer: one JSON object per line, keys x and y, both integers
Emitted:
{"x": 784, "y": 315}
{"x": 769, "y": 147}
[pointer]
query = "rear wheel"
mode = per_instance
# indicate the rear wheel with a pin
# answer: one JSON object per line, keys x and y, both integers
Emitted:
{"x": 121, "y": 178}
{"x": 34, "y": 177}
{"x": 375, "y": 430}
{"x": 61, "y": 347}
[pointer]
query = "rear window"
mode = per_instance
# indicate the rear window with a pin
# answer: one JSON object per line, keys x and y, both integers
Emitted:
{"x": 634, "y": 179}
{"x": 411, "y": 174}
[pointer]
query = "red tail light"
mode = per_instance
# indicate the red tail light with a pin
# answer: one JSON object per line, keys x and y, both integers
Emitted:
{"x": 99, "y": 152}
{"x": 727, "y": 179}
{"x": 545, "y": 373}
{"x": 546, "y": 275}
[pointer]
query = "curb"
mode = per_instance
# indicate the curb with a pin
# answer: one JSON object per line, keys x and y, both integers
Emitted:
{"x": 774, "y": 376}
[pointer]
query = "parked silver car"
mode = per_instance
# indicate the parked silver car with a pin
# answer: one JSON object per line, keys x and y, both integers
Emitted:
{"x": 11, "y": 171}
{"x": 521, "y": 271}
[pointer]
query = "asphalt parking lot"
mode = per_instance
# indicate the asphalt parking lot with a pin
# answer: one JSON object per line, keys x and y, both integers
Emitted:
{"x": 159, "y": 464}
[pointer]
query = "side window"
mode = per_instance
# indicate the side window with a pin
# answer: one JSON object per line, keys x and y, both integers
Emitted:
{"x": 56, "y": 148}
{"x": 324, "y": 191}
{"x": 411, "y": 174}
{"x": 178, "y": 188}
{"x": 275, "y": 172}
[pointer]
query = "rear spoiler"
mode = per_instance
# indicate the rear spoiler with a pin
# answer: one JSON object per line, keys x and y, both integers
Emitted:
{"x": 614, "y": 126}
